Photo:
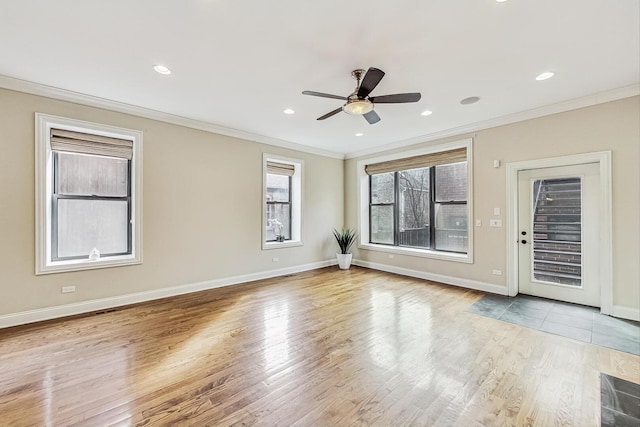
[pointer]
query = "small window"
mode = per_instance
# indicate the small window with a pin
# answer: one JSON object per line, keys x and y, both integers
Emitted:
{"x": 282, "y": 202}
{"x": 278, "y": 207}
{"x": 89, "y": 201}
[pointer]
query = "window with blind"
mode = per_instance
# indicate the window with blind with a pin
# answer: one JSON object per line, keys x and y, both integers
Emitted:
{"x": 418, "y": 204}
{"x": 89, "y": 195}
{"x": 282, "y": 201}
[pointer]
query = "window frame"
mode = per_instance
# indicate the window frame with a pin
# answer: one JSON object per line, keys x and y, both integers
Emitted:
{"x": 433, "y": 201}
{"x": 288, "y": 202}
{"x": 45, "y": 193}
{"x": 364, "y": 205}
{"x": 296, "y": 196}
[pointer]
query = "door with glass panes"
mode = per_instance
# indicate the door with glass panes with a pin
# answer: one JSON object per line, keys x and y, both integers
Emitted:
{"x": 558, "y": 230}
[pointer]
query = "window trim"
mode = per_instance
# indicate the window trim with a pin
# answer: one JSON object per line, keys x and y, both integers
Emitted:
{"x": 295, "y": 195}
{"x": 363, "y": 205}
{"x": 44, "y": 193}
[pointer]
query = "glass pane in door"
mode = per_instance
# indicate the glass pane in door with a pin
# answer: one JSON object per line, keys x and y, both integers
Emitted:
{"x": 557, "y": 231}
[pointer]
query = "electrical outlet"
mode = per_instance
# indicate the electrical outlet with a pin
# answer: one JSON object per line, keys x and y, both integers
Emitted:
{"x": 497, "y": 272}
{"x": 68, "y": 289}
{"x": 274, "y": 259}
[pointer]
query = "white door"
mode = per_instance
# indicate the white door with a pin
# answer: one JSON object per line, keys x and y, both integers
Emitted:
{"x": 558, "y": 233}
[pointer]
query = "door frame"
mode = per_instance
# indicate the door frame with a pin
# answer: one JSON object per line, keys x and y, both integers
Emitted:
{"x": 603, "y": 158}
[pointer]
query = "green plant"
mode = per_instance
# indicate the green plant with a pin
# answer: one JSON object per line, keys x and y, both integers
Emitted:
{"x": 345, "y": 238}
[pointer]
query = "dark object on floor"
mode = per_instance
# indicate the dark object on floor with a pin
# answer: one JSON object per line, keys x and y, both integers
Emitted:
{"x": 568, "y": 320}
{"x": 620, "y": 402}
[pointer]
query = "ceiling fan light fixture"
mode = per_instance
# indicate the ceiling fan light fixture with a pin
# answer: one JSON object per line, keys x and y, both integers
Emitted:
{"x": 358, "y": 107}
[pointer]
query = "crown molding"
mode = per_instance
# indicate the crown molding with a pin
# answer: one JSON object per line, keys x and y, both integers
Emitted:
{"x": 560, "y": 107}
{"x": 33, "y": 88}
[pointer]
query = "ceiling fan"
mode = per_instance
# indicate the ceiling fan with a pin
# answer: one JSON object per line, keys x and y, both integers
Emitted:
{"x": 359, "y": 102}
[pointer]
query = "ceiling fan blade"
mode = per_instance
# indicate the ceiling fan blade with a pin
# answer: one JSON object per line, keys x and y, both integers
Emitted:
{"x": 324, "y": 95}
{"x": 396, "y": 98}
{"x": 370, "y": 81}
{"x": 332, "y": 113}
{"x": 372, "y": 117}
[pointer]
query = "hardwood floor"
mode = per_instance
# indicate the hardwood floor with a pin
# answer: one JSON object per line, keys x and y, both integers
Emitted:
{"x": 326, "y": 347}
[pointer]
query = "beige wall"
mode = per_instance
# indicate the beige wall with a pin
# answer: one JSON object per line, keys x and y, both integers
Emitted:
{"x": 202, "y": 214}
{"x": 611, "y": 126}
{"x": 189, "y": 237}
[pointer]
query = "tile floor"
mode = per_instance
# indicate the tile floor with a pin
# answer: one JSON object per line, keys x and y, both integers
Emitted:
{"x": 569, "y": 320}
{"x": 620, "y": 402}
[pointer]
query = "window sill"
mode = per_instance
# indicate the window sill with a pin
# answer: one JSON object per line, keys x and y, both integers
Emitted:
{"x": 76, "y": 265}
{"x": 423, "y": 253}
{"x": 280, "y": 245}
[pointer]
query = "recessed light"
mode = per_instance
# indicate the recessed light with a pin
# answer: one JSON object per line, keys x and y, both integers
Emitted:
{"x": 470, "y": 100}
{"x": 288, "y": 111}
{"x": 426, "y": 113}
{"x": 162, "y": 69}
{"x": 544, "y": 76}
{"x": 359, "y": 134}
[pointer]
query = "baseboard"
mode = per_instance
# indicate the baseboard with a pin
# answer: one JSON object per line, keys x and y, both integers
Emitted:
{"x": 463, "y": 283}
{"x": 624, "y": 312}
{"x": 21, "y": 318}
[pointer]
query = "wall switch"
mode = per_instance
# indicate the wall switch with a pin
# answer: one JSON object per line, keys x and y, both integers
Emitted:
{"x": 496, "y": 164}
{"x": 274, "y": 259}
{"x": 495, "y": 223}
{"x": 496, "y": 211}
{"x": 497, "y": 272}
{"x": 68, "y": 289}
{"x": 478, "y": 223}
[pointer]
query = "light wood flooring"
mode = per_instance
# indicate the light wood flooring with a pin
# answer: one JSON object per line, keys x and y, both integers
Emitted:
{"x": 325, "y": 347}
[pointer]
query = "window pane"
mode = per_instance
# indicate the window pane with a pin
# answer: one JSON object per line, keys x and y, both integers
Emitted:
{"x": 277, "y": 188}
{"x": 414, "y": 207}
{"x": 87, "y": 224}
{"x": 278, "y": 221}
{"x": 557, "y": 231}
{"x": 451, "y": 228}
{"x": 382, "y": 224}
{"x": 382, "y": 188}
{"x": 451, "y": 182}
{"x": 80, "y": 174}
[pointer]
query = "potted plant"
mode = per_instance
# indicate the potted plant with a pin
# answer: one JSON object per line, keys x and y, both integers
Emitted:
{"x": 345, "y": 238}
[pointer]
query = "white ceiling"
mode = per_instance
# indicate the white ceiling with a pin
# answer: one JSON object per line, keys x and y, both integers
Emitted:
{"x": 239, "y": 63}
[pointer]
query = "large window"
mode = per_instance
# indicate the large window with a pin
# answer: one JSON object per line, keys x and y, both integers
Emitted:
{"x": 282, "y": 208}
{"x": 88, "y": 195}
{"x": 418, "y": 204}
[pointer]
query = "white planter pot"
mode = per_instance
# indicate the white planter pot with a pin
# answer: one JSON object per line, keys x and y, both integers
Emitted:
{"x": 344, "y": 261}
